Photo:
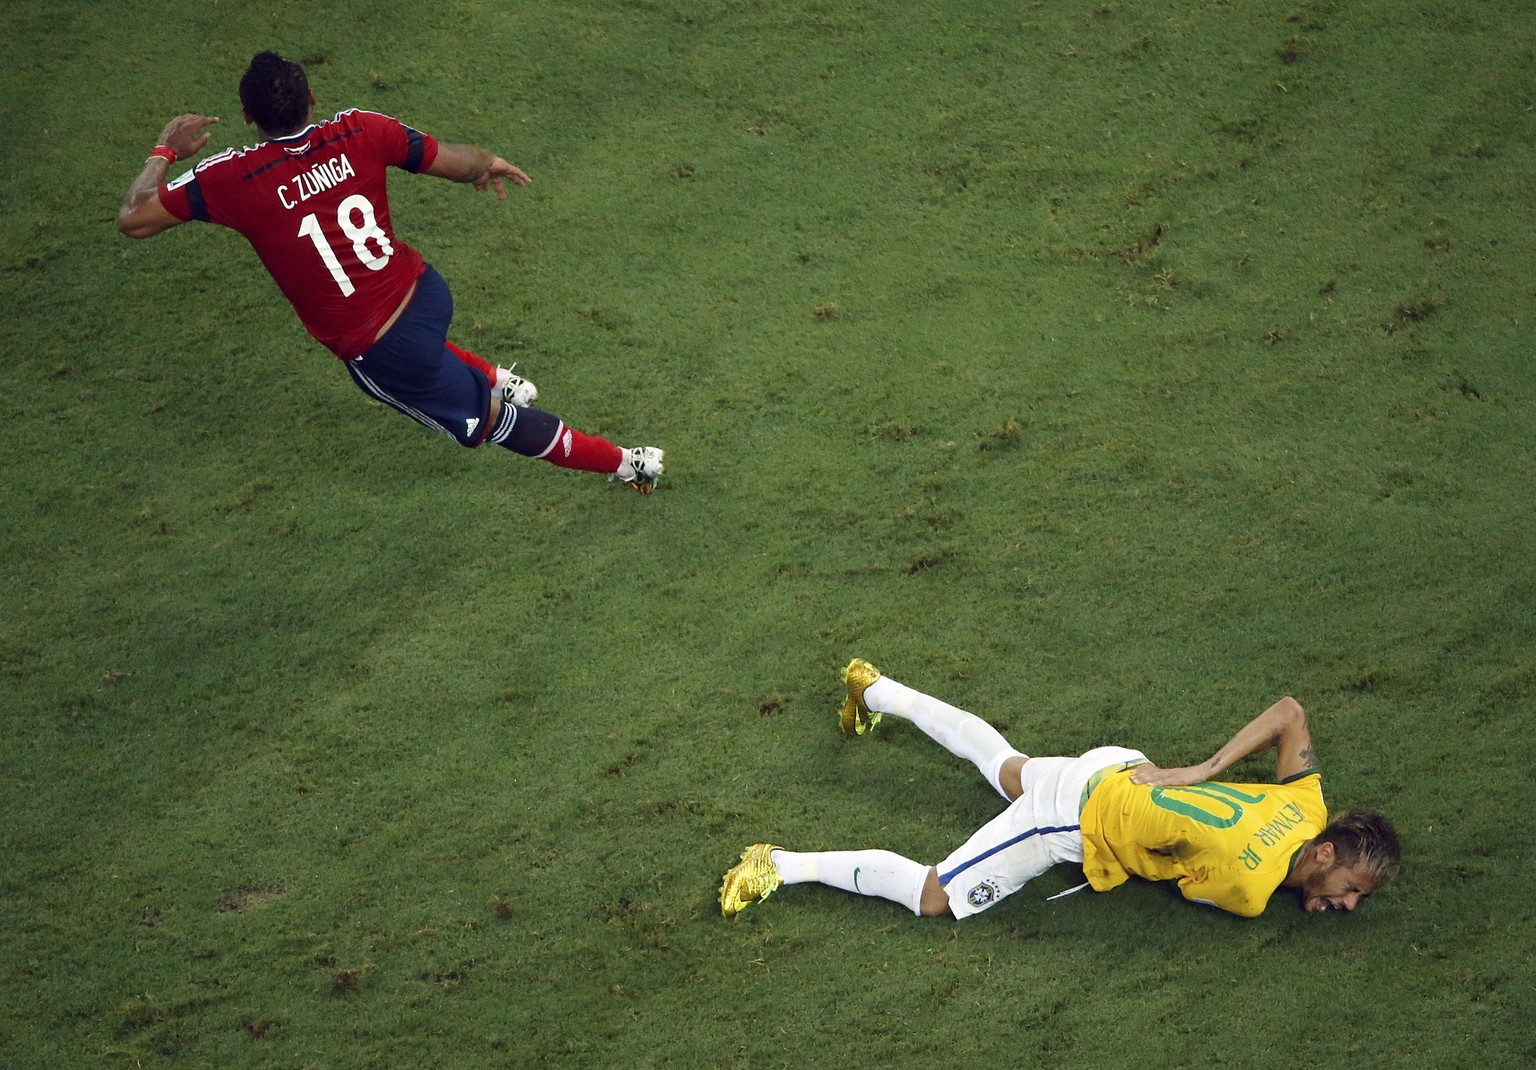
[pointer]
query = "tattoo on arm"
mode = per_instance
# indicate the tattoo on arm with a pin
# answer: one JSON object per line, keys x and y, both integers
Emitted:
{"x": 1308, "y": 757}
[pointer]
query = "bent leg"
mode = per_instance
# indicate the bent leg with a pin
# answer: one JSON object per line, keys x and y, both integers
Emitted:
{"x": 958, "y": 731}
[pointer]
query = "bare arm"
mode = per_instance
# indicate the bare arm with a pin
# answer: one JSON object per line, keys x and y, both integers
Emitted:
{"x": 142, "y": 215}
{"x": 479, "y": 167}
{"x": 1282, "y": 726}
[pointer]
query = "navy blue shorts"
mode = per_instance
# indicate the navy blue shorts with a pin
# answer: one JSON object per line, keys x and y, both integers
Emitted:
{"x": 412, "y": 370}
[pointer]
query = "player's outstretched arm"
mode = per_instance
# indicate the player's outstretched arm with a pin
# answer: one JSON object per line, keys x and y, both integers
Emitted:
{"x": 142, "y": 215}
{"x": 481, "y": 168}
{"x": 1282, "y": 726}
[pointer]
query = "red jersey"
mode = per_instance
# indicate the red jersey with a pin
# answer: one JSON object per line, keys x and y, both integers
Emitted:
{"x": 315, "y": 208}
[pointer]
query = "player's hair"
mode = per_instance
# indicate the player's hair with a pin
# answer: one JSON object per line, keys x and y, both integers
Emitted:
{"x": 1364, "y": 838}
{"x": 275, "y": 93}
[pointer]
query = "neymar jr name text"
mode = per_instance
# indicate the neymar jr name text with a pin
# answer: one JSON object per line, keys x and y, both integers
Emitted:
{"x": 1289, "y": 817}
{"x": 1274, "y": 832}
{"x": 323, "y": 176}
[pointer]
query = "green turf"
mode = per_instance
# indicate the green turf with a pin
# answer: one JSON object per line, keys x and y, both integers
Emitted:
{"x": 1109, "y": 369}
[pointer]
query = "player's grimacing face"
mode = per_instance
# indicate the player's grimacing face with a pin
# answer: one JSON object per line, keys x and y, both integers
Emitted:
{"x": 1339, "y": 887}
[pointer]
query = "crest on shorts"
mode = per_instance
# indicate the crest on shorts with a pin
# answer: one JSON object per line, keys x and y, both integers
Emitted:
{"x": 981, "y": 895}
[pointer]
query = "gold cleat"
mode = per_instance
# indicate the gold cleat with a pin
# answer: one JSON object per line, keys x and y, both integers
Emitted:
{"x": 750, "y": 880}
{"x": 856, "y": 717}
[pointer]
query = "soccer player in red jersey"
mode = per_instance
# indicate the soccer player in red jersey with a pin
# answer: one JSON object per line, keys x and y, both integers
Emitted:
{"x": 312, "y": 200}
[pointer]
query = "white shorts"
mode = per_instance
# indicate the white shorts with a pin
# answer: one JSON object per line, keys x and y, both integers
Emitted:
{"x": 1039, "y": 829}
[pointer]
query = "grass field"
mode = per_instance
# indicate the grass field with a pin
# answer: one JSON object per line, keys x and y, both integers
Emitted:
{"x": 1109, "y": 369}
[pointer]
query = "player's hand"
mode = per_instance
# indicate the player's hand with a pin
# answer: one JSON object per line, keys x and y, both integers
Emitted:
{"x": 1168, "y": 778}
{"x": 181, "y": 134}
{"x": 499, "y": 171}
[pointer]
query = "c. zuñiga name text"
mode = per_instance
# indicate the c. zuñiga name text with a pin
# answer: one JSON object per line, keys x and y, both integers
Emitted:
{"x": 319, "y": 178}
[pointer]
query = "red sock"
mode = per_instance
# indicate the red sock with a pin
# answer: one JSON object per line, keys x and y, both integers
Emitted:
{"x": 588, "y": 453}
{"x": 474, "y": 360}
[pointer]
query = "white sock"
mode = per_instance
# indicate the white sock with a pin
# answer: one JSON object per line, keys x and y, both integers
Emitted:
{"x": 961, "y": 733}
{"x": 878, "y": 873}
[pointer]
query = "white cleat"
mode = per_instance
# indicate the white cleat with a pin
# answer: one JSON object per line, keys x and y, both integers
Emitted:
{"x": 641, "y": 468}
{"x": 515, "y": 390}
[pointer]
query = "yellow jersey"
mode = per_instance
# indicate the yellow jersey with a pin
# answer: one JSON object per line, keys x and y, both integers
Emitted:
{"x": 1228, "y": 845}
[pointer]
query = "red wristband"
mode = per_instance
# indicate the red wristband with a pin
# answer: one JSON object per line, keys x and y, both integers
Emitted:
{"x": 165, "y": 152}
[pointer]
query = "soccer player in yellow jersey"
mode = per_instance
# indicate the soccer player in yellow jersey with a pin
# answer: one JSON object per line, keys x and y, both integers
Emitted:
{"x": 1229, "y": 845}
